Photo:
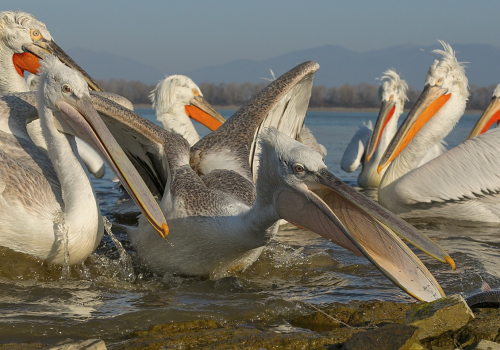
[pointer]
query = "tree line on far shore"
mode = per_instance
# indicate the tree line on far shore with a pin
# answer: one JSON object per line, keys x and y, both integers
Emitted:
{"x": 349, "y": 96}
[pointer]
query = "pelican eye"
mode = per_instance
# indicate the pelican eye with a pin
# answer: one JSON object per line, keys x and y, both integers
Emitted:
{"x": 299, "y": 168}
{"x": 66, "y": 89}
{"x": 391, "y": 98}
{"x": 439, "y": 82}
{"x": 196, "y": 92}
{"x": 35, "y": 34}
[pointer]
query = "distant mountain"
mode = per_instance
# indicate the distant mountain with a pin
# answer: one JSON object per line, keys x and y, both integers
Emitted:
{"x": 105, "y": 66}
{"x": 338, "y": 65}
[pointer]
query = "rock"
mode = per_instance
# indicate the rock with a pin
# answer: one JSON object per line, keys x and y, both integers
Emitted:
{"x": 365, "y": 314}
{"x": 484, "y": 345}
{"x": 438, "y": 317}
{"x": 486, "y": 326}
{"x": 91, "y": 344}
{"x": 388, "y": 337}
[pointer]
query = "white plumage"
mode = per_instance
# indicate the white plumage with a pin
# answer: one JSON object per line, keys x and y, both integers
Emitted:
{"x": 460, "y": 184}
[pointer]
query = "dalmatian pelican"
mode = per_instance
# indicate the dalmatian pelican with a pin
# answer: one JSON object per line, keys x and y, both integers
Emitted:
{"x": 220, "y": 217}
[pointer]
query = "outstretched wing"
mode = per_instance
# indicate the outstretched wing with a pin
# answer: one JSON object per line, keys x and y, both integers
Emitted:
{"x": 282, "y": 104}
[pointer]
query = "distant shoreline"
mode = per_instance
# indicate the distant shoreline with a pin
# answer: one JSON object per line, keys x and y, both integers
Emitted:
{"x": 322, "y": 109}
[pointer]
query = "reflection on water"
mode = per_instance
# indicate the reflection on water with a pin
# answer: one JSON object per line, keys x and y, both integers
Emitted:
{"x": 99, "y": 300}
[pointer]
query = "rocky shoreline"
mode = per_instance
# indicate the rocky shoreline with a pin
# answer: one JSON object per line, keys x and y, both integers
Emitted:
{"x": 444, "y": 324}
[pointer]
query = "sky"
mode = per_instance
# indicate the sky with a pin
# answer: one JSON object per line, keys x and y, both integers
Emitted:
{"x": 185, "y": 35}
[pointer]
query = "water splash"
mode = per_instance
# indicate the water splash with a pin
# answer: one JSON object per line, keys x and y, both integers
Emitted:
{"x": 126, "y": 270}
{"x": 61, "y": 231}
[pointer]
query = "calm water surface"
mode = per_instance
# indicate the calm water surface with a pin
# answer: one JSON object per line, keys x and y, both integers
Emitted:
{"x": 101, "y": 300}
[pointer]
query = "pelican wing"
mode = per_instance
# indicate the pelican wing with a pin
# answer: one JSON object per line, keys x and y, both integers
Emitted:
{"x": 282, "y": 104}
{"x": 141, "y": 140}
{"x": 469, "y": 171}
{"x": 353, "y": 154}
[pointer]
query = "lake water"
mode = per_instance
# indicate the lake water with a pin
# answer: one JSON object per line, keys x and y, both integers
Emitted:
{"x": 100, "y": 301}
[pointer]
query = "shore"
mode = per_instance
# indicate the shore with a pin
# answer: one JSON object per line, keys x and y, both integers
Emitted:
{"x": 444, "y": 324}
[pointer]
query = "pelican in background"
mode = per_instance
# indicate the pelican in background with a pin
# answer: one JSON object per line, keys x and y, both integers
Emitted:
{"x": 220, "y": 219}
{"x": 490, "y": 116}
{"x": 176, "y": 99}
{"x": 368, "y": 145}
{"x": 37, "y": 187}
{"x": 23, "y": 43}
{"x": 461, "y": 184}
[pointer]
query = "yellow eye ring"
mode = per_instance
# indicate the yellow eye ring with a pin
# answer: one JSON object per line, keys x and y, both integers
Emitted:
{"x": 196, "y": 92}
{"x": 35, "y": 34}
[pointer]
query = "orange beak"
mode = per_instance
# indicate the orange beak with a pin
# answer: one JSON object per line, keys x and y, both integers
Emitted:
{"x": 487, "y": 119}
{"x": 428, "y": 104}
{"x": 386, "y": 112}
{"x": 201, "y": 111}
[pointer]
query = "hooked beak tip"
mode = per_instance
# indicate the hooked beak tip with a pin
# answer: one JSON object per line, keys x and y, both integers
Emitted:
{"x": 165, "y": 230}
{"x": 368, "y": 158}
{"x": 450, "y": 262}
{"x": 379, "y": 169}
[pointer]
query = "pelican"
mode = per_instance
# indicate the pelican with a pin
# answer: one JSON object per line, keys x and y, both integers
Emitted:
{"x": 368, "y": 145}
{"x": 461, "y": 184}
{"x": 176, "y": 99}
{"x": 490, "y": 116}
{"x": 24, "y": 41}
{"x": 220, "y": 219}
{"x": 37, "y": 187}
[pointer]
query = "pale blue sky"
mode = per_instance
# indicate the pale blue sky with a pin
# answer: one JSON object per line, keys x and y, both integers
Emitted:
{"x": 185, "y": 35}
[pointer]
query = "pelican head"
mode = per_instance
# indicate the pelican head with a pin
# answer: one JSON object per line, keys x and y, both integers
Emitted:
{"x": 64, "y": 92}
{"x": 392, "y": 93}
{"x": 295, "y": 179}
{"x": 439, "y": 106}
{"x": 24, "y": 41}
{"x": 490, "y": 115}
{"x": 176, "y": 98}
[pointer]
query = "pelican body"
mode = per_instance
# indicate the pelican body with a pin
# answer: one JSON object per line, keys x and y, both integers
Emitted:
{"x": 24, "y": 41}
{"x": 41, "y": 190}
{"x": 369, "y": 143}
{"x": 220, "y": 218}
{"x": 454, "y": 185}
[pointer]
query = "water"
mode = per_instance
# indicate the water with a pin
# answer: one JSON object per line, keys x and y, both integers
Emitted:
{"x": 98, "y": 301}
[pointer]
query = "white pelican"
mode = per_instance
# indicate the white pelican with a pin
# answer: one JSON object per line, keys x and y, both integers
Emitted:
{"x": 456, "y": 185}
{"x": 218, "y": 217}
{"x": 490, "y": 116}
{"x": 37, "y": 186}
{"x": 368, "y": 144}
{"x": 23, "y": 42}
{"x": 176, "y": 99}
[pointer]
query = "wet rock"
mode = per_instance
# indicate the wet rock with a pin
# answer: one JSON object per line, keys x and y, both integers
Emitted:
{"x": 438, "y": 317}
{"x": 373, "y": 313}
{"x": 209, "y": 334}
{"x": 21, "y": 346}
{"x": 364, "y": 314}
{"x": 484, "y": 345}
{"x": 388, "y": 337}
{"x": 90, "y": 344}
{"x": 486, "y": 326}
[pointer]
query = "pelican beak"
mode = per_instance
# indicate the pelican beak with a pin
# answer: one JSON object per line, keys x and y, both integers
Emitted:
{"x": 43, "y": 47}
{"x": 385, "y": 114}
{"x": 201, "y": 111}
{"x": 489, "y": 116}
{"x": 335, "y": 211}
{"x": 428, "y": 104}
{"x": 83, "y": 119}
